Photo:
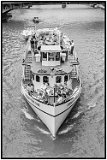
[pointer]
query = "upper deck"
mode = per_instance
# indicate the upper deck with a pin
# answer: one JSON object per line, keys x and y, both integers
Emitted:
{"x": 63, "y": 68}
{"x": 47, "y": 58}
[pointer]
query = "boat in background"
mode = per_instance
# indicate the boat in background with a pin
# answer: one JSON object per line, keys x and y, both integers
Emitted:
{"x": 50, "y": 80}
{"x": 6, "y": 17}
{"x": 36, "y": 20}
{"x": 63, "y": 5}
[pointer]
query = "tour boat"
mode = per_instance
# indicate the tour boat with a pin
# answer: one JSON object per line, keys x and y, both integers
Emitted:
{"x": 50, "y": 80}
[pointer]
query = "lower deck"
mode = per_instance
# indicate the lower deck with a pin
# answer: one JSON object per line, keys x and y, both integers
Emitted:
{"x": 52, "y": 95}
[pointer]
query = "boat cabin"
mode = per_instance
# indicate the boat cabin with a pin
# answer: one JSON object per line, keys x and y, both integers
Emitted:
{"x": 48, "y": 62}
{"x": 50, "y": 55}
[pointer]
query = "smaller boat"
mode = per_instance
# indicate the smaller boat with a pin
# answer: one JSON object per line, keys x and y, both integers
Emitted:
{"x": 6, "y": 17}
{"x": 9, "y": 15}
{"x": 36, "y": 20}
{"x": 63, "y": 5}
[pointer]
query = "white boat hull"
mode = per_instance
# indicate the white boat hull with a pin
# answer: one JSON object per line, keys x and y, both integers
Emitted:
{"x": 52, "y": 116}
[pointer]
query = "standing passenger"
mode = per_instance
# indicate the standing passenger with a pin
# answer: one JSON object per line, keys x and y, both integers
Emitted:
{"x": 32, "y": 43}
{"x": 72, "y": 47}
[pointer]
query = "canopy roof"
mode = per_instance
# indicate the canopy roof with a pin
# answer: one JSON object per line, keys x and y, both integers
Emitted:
{"x": 50, "y": 48}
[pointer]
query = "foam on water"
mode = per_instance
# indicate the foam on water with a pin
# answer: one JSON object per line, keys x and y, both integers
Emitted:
{"x": 42, "y": 130}
{"x": 91, "y": 105}
{"x": 27, "y": 115}
{"x": 77, "y": 115}
{"x": 66, "y": 130}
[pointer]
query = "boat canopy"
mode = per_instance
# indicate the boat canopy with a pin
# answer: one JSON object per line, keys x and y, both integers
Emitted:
{"x": 45, "y": 48}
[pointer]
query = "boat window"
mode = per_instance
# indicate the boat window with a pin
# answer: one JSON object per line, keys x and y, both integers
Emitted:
{"x": 50, "y": 56}
{"x": 57, "y": 56}
{"x": 45, "y": 79}
{"x": 58, "y": 79}
{"x": 44, "y": 56}
{"x": 65, "y": 78}
{"x": 37, "y": 78}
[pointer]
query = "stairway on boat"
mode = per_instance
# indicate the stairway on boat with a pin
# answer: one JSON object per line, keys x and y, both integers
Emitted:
{"x": 27, "y": 72}
{"x": 73, "y": 59}
{"x": 29, "y": 58}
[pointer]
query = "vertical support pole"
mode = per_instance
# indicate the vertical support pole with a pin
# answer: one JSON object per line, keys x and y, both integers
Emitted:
{"x": 47, "y": 56}
{"x": 35, "y": 28}
{"x": 54, "y": 94}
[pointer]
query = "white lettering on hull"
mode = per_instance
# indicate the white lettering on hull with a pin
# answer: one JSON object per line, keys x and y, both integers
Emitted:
{"x": 34, "y": 102}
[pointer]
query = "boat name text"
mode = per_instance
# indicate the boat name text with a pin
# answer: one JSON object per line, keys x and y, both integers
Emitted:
{"x": 32, "y": 100}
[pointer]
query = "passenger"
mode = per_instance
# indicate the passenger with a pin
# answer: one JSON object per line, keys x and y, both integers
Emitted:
{"x": 33, "y": 36}
{"x": 43, "y": 86}
{"x": 65, "y": 84}
{"x": 30, "y": 89}
{"x": 59, "y": 99}
{"x": 23, "y": 61}
{"x": 64, "y": 95}
{"x": 62, "y": 47}
{"x": 47, "y": 85}
{"x": 36, "y": 42}
{"x": 69, "y": 84}
{"x": 39, "y": 47}
{"x": 72, "y": 47}
{"x": 59, "y": 92}
{"x": 45, "y": 97}
{"x": 32, "y": 43}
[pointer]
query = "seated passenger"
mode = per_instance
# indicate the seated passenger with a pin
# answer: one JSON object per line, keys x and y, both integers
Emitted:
{"x": 43, "y": 86}
{"x": 30, "y": 88}
{"x": 72, "y": 47}
{"x": 32, "y": 43}
{"x": 59, "y": 99}
{"x": 39, "y": 47}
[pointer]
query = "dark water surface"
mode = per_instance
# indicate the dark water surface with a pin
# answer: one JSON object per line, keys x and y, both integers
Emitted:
{"x": 82, "y": 134}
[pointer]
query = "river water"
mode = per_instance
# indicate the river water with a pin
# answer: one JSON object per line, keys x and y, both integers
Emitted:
{"x": 82, "y": 133}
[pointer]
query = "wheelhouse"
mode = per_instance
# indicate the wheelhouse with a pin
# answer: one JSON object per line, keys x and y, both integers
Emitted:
{"x": 50, "y": 55}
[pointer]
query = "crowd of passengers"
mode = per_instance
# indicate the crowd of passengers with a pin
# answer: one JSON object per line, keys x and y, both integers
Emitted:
{"x": 60, "y": 91}
{"x": 47, "y": 39}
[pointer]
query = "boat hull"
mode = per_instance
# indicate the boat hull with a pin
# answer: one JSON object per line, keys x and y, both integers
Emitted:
{"x": 52, "y": 116}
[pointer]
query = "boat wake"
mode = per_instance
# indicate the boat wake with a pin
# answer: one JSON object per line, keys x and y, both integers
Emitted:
{"x": 43, "y": 131}
{"x": 91, "y": 105}
{"x": 27, "y": 115}
{"x": 66, "y": 130}
{"x": 77, "y": 114}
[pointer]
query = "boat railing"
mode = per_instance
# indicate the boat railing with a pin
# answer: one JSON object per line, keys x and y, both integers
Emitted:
{"x": 35, "y": 98}
{"x": 50, "y": 96}
{"x": 54, "y": 99}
